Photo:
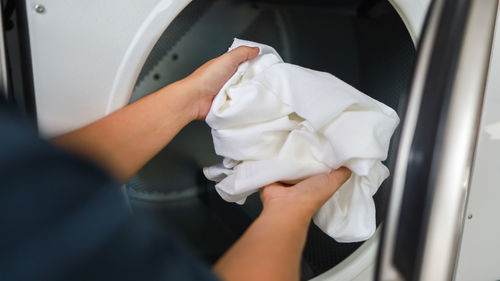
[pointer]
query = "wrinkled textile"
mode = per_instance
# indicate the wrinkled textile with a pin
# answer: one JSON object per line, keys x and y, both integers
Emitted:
{"x": 275, "y": 121}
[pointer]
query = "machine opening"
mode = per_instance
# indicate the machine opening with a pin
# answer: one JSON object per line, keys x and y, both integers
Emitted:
{"x": 364, "y": 43}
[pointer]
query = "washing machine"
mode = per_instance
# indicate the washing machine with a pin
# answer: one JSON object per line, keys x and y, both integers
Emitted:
{"x": 77, "y": 61}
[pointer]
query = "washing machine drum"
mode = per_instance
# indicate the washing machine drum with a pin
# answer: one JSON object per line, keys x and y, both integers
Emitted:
{"x": 366, "y": 45}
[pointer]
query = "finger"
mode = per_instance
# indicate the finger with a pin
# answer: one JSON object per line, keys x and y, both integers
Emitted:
{"x": 242, "y": 54}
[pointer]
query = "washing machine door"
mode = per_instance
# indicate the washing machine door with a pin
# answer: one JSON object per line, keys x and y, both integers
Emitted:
{"x": 423, "y": 228}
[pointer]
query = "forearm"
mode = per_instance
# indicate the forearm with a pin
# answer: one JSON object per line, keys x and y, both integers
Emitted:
{"x": 270, "y": 249}
{"x": 125, "y": 140}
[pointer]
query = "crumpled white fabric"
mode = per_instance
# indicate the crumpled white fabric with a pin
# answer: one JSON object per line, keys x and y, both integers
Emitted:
{"x": 274, "y": 121}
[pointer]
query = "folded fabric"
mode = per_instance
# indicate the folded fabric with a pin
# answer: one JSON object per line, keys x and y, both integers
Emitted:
{"x": 274, "y": 121}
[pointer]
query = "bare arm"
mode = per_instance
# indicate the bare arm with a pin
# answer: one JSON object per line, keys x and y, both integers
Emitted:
{"x": 272, "y": 246}
{"x": 125, "y": 140}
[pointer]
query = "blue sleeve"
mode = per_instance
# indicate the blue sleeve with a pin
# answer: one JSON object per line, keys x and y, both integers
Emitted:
{"x": 61, "y": 218}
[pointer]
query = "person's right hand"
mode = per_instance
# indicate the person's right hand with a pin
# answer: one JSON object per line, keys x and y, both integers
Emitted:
{"x": 305, "y": 197}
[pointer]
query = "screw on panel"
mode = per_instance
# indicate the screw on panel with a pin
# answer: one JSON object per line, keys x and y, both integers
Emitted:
{"x": 469, "y": 216}
{"x": 39, "y": 8}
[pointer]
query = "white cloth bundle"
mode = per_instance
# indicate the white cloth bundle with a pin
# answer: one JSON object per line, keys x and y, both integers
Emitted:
{"x": 274, "y": 121}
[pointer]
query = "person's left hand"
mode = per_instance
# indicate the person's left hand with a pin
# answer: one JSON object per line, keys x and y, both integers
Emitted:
{"x": 210, "y": 77}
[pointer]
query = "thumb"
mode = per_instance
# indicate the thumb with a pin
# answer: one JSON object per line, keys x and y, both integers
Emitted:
{"x": 241, "y": 54}
{"x": 325, "y": 185}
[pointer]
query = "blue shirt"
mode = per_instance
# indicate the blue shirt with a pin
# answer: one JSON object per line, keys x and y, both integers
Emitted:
{"x": 62, "y": 218}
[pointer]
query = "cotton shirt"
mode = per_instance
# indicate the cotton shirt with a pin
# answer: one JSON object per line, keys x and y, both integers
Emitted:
{"x": 275, "y": 121}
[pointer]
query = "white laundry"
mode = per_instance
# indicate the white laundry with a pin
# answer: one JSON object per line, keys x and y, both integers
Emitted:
{"x": 274, "y": 121}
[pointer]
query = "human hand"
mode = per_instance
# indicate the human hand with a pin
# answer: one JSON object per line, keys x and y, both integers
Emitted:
{"x": 305, "y": 197}
{"x": 210, "y": 77}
